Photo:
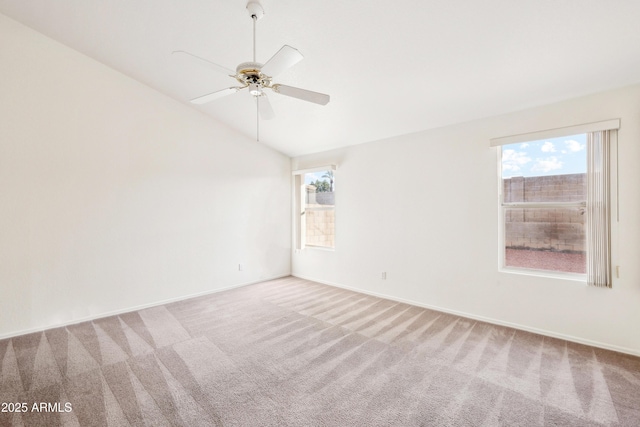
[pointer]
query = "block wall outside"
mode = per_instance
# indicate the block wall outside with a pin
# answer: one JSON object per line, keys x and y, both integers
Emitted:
{"x": 558, "y": 229}
{"x": 320, "y": 225}
{"x": 320, "y": 228}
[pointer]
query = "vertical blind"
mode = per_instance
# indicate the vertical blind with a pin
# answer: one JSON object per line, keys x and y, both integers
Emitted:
{"x": 598, "y": 209}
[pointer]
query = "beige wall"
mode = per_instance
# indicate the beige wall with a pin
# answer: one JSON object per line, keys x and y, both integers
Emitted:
{"x": 115, "y": 196}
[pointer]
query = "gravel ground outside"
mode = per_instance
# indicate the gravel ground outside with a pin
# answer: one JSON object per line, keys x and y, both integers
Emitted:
{"x": 546, "y": 260}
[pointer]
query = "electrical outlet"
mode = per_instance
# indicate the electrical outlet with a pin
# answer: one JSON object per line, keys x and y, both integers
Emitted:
{"x": 240, "y": 267}
{"x": 383, "y": 275}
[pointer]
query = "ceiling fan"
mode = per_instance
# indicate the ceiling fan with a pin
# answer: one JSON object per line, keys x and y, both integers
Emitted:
{"x": 257, "y": 77}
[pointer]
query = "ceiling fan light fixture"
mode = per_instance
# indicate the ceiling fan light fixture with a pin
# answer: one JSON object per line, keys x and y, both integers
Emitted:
{"x": 255, "y": 89}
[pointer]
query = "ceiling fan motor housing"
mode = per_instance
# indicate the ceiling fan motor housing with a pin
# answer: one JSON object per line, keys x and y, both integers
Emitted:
{"x": 249, "y": 67}
{"x": 248, "y": 73}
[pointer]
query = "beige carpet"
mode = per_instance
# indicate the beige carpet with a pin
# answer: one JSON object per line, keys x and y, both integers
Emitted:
{"x": 291, "y": 352}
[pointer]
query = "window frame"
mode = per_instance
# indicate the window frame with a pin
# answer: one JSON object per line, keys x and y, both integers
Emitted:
{"x": 611, "y": 125}
{"x": 504, "y": 206}
{"x": 300, "y": 209}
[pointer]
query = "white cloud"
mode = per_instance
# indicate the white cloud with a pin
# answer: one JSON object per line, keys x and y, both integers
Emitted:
{"x": 574, "y": 145}
{"x": 524, "y": 145}
{"x": 512, "y": 160}
{"x": 547, "y": 164}
{"x": 548, "y": 147}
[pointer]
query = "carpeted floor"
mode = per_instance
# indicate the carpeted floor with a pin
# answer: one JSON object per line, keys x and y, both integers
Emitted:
{"x": 291, "y": 352}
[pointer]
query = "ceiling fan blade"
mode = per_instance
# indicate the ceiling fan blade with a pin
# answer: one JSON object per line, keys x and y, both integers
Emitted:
{"x": 214, "y": 95}
{"x": 264, "y": 107}
{"x": 305, "y": 95}
{"x": 286, "y": 57}
{"x": 218, "y": 68}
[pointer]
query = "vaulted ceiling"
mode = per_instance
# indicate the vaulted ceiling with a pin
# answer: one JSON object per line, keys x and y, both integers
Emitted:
{"x": 391, "y": 67}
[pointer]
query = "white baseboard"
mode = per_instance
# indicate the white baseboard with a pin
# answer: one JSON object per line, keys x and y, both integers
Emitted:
{"x": 538, "y": 331}
{"x": 135, "y": 308}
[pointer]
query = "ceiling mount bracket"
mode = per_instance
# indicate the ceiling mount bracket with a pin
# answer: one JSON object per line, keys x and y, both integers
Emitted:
{"x": 255, "y": 10}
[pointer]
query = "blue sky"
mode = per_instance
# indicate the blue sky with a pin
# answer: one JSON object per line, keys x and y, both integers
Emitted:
{"x": 313, "y": 176}
{"x": 554, "y": 156}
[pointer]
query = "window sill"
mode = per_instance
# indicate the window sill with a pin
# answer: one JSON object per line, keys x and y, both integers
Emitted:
{"x": 320, "y": 248}
{"x": 573, "y": 277}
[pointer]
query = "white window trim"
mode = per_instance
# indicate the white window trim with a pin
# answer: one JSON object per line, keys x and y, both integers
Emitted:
{"x": 316, "y": 169}
{"x": 612, "y": 124}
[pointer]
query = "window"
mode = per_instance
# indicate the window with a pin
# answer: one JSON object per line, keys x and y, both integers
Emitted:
{"x": 316, "y": 207}
{"x": 544, "y": 195}
{"x": 556, "y": 200}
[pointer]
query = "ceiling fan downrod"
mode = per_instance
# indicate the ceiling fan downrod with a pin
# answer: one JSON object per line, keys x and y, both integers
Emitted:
{"x": 256, "y": 12}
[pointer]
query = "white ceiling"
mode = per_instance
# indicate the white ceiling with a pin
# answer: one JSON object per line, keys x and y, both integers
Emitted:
{"x": 391, "y": 67}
